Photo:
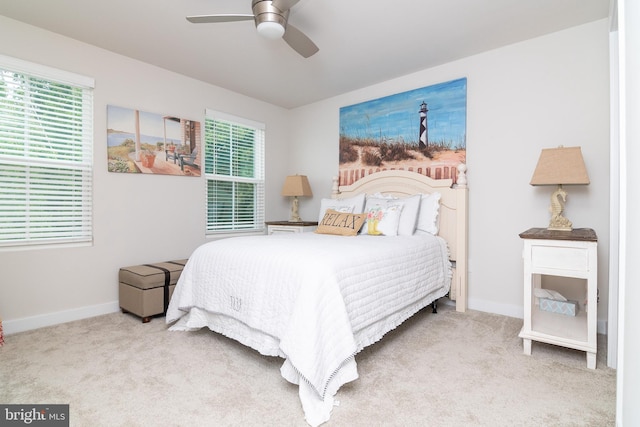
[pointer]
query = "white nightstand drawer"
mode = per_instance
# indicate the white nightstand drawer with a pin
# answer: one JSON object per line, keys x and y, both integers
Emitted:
{"x": 279, "y": 227}
{"x": 275, "y": 229}
{"x": 561, "y": 258}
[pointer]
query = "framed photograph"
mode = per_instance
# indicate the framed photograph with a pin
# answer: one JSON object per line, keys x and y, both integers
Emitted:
{"x": 422, "y": 130}
{"x": 142, "y": 142}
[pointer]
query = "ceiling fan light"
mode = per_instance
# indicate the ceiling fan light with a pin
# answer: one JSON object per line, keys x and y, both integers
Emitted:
{"x": 270, "y": 30}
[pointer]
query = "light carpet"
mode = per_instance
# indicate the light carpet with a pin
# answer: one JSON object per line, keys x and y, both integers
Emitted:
{"x": 444, "y": 369}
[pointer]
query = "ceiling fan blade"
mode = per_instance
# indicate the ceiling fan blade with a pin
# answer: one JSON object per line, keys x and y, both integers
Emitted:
{"x": 206, "y": 19}
{"x": 299, "y": 41}
{"x": 284, "y": 4}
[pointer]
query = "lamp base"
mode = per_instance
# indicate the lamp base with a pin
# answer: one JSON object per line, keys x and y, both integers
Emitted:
{"x": 294, "y": 210}
{"x": 559, "y": 222}
{"x": 552, "y": 226}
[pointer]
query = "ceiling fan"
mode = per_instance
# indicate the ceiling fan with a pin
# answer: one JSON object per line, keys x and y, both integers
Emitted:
{"x": 270, "y": 17}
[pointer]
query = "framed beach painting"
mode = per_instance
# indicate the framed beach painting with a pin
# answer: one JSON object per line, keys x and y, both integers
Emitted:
{"x": 421, "y": 130}
{"x": 143, "y": 142}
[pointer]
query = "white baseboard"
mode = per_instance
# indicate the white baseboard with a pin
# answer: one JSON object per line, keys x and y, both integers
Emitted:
{"x": 49, "y": 319}
{"x": 496, "y": 308}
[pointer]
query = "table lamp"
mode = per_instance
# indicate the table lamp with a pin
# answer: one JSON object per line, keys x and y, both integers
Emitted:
{"x": 295, "y": 186}
{"x": 560, "y": 166}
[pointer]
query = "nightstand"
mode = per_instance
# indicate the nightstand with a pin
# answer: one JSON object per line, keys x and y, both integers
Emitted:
{"x": 565, "y": 254}
{"x": 275, "y": 227}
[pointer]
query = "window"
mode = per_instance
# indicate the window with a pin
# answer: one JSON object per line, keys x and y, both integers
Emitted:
{"x": 234, "y": 171}
{"x": 46, "y": 140}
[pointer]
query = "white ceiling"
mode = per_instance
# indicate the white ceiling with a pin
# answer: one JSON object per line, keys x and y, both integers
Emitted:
{"x": 362, "y": 42}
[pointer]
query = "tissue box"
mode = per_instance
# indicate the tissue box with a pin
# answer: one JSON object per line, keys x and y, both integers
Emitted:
{"x": 568, "y": 308}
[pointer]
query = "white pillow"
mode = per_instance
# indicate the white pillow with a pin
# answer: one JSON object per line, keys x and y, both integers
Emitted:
{"x": 353, "y": 204}
{"x": 428, "y": 216}
{"x": 409, "y": 217}
{"x": 381, "y": 196}
{"x": 382, "y": 220}
{"x": 410, "y": 209}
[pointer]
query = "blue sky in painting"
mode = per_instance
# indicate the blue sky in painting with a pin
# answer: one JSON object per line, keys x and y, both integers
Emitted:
{"x": 152, "y": 126}
{"x": 396, "y": 118}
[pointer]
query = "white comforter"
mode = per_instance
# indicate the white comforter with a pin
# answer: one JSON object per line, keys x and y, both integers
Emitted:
{"x": 315, "y": 300}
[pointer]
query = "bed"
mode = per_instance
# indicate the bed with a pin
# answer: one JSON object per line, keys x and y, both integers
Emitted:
{"x": 317, "y": 299}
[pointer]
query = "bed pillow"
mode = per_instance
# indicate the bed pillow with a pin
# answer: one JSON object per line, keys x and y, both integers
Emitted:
{"x": 383, "y": 221}
{"x": 428, "y": 215}
{"x": 383, "y": 217}
{"x": 381, "y": 196}
{"x": 340, "y": 223}
{"x": 409, "y": 214}
{"x": 353, "y": 204}
{"x": 409, "y": 217}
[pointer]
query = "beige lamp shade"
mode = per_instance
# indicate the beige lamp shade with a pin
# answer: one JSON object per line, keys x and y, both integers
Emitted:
{"x": 296, "y": 185}
{"x": 560, "y": 166}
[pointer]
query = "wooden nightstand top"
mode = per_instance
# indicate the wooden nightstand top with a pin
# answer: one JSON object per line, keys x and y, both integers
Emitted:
{"x": 293, "y": 223}
{"x": 577, "y": 234}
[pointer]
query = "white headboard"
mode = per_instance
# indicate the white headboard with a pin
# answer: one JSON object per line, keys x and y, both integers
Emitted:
{"x": 453, "y": 212}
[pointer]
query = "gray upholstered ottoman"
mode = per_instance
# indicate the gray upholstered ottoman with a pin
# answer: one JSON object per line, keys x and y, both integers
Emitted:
{"x": 145, "y": 290}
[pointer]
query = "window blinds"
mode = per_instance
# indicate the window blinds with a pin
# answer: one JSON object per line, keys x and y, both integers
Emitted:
{"x": 234, "y": 170}
{"x": 46, "y": 159}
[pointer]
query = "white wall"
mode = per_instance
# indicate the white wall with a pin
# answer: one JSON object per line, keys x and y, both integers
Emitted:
{"x": 137, "y": 218}
{"x": 536, "y": 94}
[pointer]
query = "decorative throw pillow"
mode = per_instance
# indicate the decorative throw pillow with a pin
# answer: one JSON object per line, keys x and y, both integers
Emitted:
{"x": 349, "y": 205}
{"x": 340, "y": 223}
{"x": 410, "y": 208}
{"x": 383, "y": 220}
{"x": 428, "y": 215}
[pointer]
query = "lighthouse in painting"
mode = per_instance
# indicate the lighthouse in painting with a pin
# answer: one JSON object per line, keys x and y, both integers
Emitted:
{"x": 424, "y": 133}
